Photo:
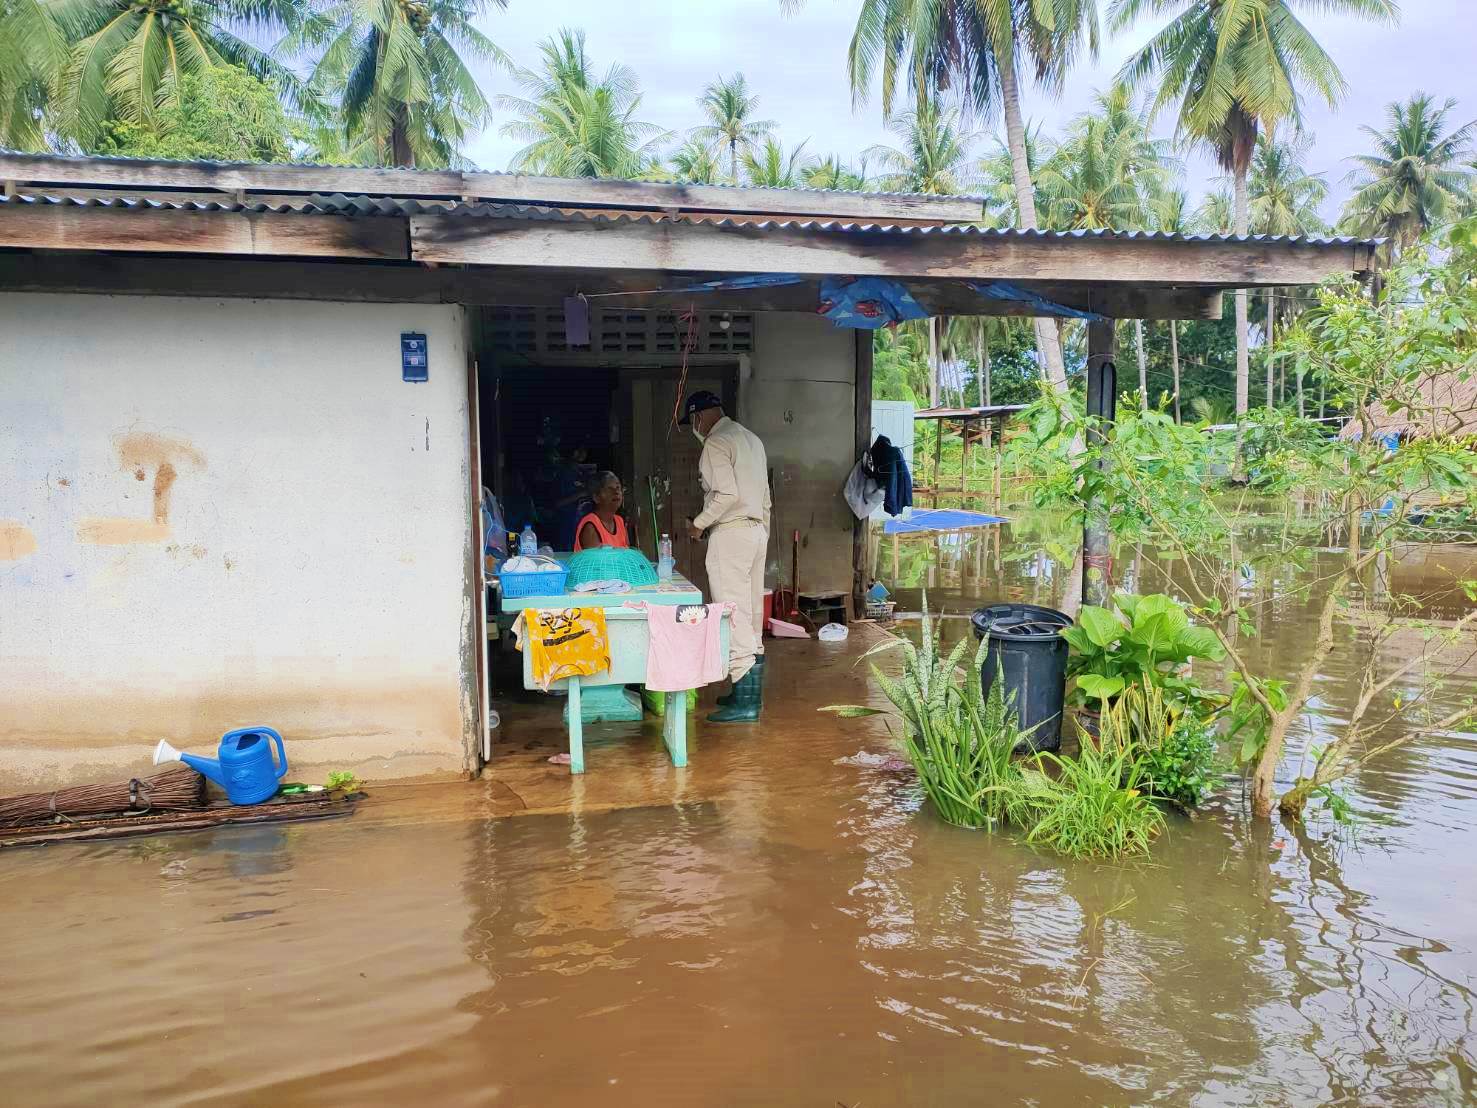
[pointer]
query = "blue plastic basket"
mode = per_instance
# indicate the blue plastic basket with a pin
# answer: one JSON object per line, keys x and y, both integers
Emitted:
{"x": 548, "y": 583}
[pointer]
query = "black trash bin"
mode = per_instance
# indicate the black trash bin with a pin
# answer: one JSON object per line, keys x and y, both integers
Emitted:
{"x": 1027, "y": 648}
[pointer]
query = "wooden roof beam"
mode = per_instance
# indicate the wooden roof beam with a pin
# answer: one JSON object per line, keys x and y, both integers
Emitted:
{"x": 65, "y": 227}
{"x": 746, "y": 249}
{"x": 378, "y": 283}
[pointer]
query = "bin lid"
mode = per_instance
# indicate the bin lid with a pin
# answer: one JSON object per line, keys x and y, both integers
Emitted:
{"x": 1019, "y": 622}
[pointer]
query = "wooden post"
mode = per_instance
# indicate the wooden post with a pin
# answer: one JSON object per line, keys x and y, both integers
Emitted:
{"x": 998, "y": 458}
{"x": 863, "y": 439}
{"x": 964, "y": 462}
{"x": 1102, "y": 391}
{"x": 938, "y": 459}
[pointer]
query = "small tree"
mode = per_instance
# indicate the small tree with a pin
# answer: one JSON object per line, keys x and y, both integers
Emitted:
{"x": 1377, "y": 356}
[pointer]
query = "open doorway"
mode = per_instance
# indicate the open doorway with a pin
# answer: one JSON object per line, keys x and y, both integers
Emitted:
{"x": 548, "y": 429}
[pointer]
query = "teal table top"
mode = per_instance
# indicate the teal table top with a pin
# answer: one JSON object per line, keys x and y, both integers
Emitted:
{"x": 679, "y": 590}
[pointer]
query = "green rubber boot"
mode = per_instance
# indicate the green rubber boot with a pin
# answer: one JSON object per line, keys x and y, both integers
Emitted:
{"x": 727, "y": 698}
{"x": 748, "y": 699}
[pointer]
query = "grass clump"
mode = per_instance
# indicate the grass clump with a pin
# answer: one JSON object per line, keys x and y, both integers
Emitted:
{"x": 962, "y": 744}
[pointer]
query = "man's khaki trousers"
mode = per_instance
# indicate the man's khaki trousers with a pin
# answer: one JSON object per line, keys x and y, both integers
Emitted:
{"x": 736, "y": 576}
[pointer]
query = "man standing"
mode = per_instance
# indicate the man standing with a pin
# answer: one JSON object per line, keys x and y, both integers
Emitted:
{"x": 735, "y": 516}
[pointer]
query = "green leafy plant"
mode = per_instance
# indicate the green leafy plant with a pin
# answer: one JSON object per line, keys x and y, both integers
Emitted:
{"x": 1141, "y": 639}
{"x": 1181, "y": 768}
{"x": 960, "y": 742}
{"x": 1096, "y": 805}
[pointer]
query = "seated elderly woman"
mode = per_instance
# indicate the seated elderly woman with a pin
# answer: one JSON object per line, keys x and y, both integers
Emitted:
{"x": 603, "y": 526}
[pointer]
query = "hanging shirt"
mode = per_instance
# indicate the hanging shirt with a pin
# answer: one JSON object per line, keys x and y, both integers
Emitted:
{"x": 564, "y": 642}
{"x": 684, "y": 650}
{"x": 607, "y": 538}
{"x": 735, "y": 477}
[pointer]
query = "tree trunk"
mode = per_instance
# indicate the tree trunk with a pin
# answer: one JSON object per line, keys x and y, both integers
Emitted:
{"x": 400, "y": 152}
{"x": 989, "y": 372}
{"x": 1243, "y": 364}
{"x": 1138, "y": 334}
{"x": 733, "y": 160}
{"x": 933, "y": 362}
{"x": 1174, "y": 357}
{"x": 1048, "y": 338}
{"x": 1271, "y": 336}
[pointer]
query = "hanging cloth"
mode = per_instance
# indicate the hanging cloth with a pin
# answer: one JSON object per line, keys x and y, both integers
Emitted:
{"x": 867, "y": 302}
{"x": 684, "y": 649}
{"x": 564, "y": 642}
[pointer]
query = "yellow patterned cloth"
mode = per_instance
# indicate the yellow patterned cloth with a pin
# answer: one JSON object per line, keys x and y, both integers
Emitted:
{"x": 565, "y": 642}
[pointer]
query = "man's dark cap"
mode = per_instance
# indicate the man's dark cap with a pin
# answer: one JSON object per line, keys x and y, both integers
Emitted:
{"x": 699, "y": 401}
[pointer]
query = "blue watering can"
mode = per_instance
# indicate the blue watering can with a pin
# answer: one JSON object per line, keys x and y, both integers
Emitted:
{"x": 244, "y": 767}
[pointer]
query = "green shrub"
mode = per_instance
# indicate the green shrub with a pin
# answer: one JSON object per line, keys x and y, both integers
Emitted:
{"x": 1181, "y": 768}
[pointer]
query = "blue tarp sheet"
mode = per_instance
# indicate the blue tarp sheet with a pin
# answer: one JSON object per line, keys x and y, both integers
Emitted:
{"x": 939, "y": 519}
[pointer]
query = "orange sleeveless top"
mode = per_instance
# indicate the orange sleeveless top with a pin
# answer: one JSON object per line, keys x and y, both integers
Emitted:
{"x": 607, "y": 538}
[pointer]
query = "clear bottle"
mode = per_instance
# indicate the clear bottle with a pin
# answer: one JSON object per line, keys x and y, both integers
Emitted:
{"x": 528, "y": 541}
{"x": 665, "y": 563}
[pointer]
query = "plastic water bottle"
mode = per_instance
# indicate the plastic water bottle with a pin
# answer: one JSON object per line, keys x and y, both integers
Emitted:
{"x": 528, "y": 541}
{"x": 665, "y": 563}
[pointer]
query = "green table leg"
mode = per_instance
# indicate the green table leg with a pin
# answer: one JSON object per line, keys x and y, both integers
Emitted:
{"x": 674, "y": 728}
{"x": 576, "y": 729}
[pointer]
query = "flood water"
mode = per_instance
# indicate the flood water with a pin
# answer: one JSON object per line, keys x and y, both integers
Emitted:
{"x": 772, "y": 928}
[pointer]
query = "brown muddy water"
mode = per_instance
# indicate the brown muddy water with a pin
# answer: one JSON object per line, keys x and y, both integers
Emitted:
{"x": 770, "y": 927}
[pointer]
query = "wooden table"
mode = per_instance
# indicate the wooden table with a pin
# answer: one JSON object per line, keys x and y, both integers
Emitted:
{"x": 602, "y": 697}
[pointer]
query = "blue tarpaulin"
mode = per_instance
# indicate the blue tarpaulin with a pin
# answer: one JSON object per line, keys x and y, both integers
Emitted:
{"x": 940, "y": 519}
{"x": 1004, "y": 290}
{"x": 867, "y": 302}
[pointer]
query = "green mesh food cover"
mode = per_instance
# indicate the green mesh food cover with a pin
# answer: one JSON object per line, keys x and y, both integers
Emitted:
{"x": 602, "y": 563}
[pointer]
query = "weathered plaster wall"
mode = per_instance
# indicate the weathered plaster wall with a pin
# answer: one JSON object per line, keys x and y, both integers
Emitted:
{"x": 222, "y": 513}
{"x": 800, "y": 399}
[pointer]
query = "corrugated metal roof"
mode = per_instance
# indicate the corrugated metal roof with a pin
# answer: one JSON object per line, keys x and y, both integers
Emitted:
{"x": 93, "y": 159}
{"x": 338, "y": 204}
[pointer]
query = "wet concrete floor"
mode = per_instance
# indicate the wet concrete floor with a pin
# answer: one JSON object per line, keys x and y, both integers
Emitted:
{"x": 766, "y": 927}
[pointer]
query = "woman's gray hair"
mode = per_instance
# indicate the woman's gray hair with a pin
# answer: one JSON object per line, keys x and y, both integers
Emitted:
{"x": 598, "y": 481}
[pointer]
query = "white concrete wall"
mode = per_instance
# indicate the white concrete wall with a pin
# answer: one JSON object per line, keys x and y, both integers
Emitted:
{"x": 303, "y": 569}
{"x": 800, "y": 399}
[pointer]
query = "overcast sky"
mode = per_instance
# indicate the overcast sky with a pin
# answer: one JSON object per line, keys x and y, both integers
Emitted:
{"x": 797, "y": 65}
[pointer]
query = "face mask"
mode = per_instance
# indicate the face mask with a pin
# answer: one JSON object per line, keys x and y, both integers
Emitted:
{"x": 698, "y": 434}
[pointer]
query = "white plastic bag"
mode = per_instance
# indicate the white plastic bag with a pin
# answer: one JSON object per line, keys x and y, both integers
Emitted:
{"x": 832, "y": 632}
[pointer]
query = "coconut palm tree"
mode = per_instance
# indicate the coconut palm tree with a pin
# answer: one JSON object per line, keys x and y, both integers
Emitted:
{"x": 1216, "y": 214}
{"x": 32, "y": 54}
{"x": 1234, "y": 69}
{"x": 832, "y": 173}
{"x": 1108, "y": 170}
{"x": 729, "y": 107}
{"x": 1105, "y": 175}
{"x": 769, "y": 166}
{"x": 997, "y": 177}
{"x": 934, "y": 156}
{"x": 574, "y": 124}
{"x": 1284, "y": 200}
{"x": 977, "y": 48}
{"x": 1416, "y": 178}
{"x": 400, "y": 73}
{"x": 1169, "y": 212}
{"x": 126, "y": 57}
{"x": 695, "y": 163}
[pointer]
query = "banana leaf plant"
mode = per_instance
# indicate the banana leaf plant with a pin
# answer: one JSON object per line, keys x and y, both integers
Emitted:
{"x": 1141, "y": 639}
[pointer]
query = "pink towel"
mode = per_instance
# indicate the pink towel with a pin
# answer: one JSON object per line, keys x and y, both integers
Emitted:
{"x": 685, "y": 650}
